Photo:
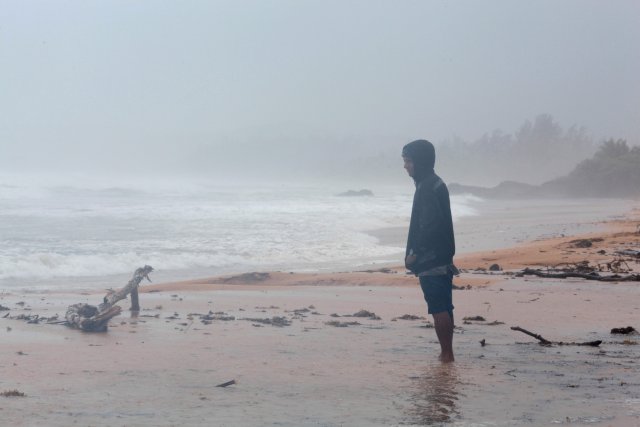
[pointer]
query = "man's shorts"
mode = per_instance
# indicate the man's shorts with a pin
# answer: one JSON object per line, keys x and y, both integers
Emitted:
{"x": 438, "y": 293}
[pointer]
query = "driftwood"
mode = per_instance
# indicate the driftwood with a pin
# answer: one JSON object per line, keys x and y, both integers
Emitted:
{"x": 548, "y": 343}
{"x": 90, "y": 318}
{"x": 587, "y": 276}
{"x": 227, "y": 384}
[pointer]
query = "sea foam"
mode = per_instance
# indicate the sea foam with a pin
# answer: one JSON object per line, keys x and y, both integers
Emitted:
{"x": 58, "y": 230}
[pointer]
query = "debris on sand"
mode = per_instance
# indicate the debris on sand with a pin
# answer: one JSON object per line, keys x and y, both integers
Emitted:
{"x": 545, "y": 342}
{"x": 365, "y": 313}
{"x": 90, "y": 318}
{"x": 227, "y": 384}
{"x": 3, "y": 308}
{"x": 585, "y": 243}
{"x": 474, "y": 319}
{"x": 211, "y": 316}
{"x": 299, "y": 311}
{"x": 361, "y": 313}
{"x": 12, "y": 393}
{"x": 274, "y": 321}
{"x": 339, "y": 324}
{"x": 495, "y": 323}
{"x": 408, "y": 317}
{"x": 579, "y": 272}
{"x": 35, "y": 318}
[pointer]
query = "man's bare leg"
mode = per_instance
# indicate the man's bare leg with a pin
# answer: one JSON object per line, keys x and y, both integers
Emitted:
{"x": 444, "y": 330}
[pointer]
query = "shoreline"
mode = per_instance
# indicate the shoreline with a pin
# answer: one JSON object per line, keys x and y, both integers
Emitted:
{"x": 615, "y": 235}
{"x": 300, "y": 354}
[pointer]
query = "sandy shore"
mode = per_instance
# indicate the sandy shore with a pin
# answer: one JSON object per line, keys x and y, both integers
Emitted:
{"x": 299, "y": 356}
{"x": 615, "y": 236}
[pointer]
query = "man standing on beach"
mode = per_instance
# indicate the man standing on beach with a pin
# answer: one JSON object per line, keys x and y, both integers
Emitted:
{"x": 431, "y": 245}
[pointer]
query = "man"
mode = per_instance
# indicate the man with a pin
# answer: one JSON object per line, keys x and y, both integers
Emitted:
{"x": 430, "y": 245}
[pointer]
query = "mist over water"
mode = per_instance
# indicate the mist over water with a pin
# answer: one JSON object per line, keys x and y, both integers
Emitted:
{"x": 315, "y": 91}
{"x": 192, "y": 228}
{"x": 145, "y": 133}
{"x": 85, "y": 232}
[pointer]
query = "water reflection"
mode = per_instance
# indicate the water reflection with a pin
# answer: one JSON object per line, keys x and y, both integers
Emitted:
{"x": 434, "y": 396}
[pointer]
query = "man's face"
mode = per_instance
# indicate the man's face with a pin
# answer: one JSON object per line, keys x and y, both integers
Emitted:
{"x": 408, "y": 165}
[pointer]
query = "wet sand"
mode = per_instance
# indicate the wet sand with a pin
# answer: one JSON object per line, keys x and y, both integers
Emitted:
{"x": 161, "y": 368}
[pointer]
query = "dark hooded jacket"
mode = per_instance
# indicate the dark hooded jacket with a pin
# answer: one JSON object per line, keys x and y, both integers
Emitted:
{"x": 431, "y": 230}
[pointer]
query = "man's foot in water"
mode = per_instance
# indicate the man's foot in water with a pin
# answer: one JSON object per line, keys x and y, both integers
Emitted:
{"x": 446, "y": 358}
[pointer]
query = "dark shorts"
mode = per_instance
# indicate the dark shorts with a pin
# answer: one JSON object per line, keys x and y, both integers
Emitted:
{"x": 437, "y": 293}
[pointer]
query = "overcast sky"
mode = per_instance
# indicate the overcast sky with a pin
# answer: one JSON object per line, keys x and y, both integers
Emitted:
{"x": 93, "y": 83}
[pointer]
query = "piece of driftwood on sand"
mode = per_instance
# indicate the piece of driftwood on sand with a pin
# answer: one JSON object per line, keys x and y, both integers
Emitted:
{"x": 587, "y": 276}
{"x": 546, "y": 342}
{"x": 90, "y": 318}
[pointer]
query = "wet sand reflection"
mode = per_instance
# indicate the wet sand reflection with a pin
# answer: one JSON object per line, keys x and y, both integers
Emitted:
{"x": 435, "y": 395}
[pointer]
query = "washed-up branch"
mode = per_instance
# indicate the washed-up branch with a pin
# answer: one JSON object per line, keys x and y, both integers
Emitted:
{"x": 90, "y": 318}
{"x": 545, "y": 342}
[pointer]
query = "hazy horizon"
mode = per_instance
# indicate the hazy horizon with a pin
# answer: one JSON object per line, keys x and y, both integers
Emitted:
{"x": 289, "y": 90}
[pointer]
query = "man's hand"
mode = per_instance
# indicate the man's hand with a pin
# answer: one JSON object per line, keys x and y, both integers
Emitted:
{"x": 410, "y": 259}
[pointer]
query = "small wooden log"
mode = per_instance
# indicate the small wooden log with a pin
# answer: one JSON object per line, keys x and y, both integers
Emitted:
{"x": 546, "y": 342}
{"x": 227, "y": 384}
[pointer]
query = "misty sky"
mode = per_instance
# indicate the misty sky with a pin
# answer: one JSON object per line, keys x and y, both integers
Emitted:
{"x": 185, "y": 85}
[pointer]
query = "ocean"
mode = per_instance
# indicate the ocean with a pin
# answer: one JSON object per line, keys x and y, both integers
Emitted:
{"x": 81, "y": 233}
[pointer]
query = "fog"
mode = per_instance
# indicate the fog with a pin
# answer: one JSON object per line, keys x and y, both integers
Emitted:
{"x": 307, "y": 91}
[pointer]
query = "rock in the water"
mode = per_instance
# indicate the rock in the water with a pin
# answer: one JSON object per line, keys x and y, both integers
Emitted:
{"x": 354, "y": 193}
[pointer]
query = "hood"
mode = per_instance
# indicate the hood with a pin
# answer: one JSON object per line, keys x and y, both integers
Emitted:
{"x": 423, "y": 155}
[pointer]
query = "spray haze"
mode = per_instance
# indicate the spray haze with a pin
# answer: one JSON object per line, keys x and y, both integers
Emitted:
{"x": 312, "y": 91}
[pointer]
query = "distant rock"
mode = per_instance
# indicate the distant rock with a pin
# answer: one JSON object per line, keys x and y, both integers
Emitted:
{"x": 354, "y": 193}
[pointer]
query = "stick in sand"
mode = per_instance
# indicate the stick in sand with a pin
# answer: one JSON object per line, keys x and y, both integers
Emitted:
{"x": 546, "y": 342}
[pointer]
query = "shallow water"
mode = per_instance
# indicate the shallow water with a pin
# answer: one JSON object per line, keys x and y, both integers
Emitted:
{"x": 157, "y": 371}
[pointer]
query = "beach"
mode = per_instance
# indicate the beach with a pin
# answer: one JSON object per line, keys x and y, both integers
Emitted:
{"x": 208, "y": 208}
{"x": 351, "y": 347}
